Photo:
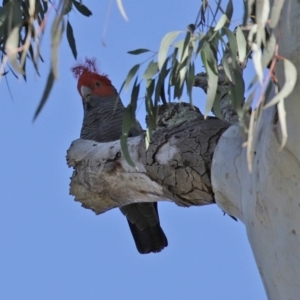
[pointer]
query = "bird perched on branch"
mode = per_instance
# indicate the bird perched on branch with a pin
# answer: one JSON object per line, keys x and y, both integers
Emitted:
{"x": 102, "y": 122}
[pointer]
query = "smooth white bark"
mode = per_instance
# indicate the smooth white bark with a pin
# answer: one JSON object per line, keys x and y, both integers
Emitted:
{"x": 267, "y": 200}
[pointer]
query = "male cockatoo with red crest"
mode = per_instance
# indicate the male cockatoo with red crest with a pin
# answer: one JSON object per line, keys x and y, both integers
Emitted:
{"x": 102, "y": 122}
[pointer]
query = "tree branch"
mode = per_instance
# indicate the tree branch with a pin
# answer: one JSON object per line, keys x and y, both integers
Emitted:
{"x": 175, "y": 167}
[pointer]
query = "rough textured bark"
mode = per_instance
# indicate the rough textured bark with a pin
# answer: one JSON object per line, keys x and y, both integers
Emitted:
{"x": 176, "y": 166}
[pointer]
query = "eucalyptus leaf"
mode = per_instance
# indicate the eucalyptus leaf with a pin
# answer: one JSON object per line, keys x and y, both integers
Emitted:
{"x": 150, "y": 87}
{"x": 229, "y": 11}
{"x": 164, "y": 47}
{"x": 3, "y": 13}
{"x": 161, "y": 80}
{"x": 138, "y": 51}
{"x": 46, "y": 93}
{"x": 212, "y": 84}
{"x": 130, "y": 75}
{"x": 241, "y": 44}
{"x": 237, "y": 91}
{"x": 216, "y": 105}
{"x": 190, "y": 79}
{"x": 290, "y": 75}
{"x": 71, "y": 39}
{"x": 226, "y": 68}
{"x": 221, "y": 23}
{"x": 269, "y": 51}
{"x": 151, "y": 70}
{"x": 82, "y": 8}
{"x": 232, "y": 45}
{"x": 125, "y": 150}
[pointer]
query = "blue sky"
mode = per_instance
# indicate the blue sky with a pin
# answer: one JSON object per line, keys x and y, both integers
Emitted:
{"x": 51, "y": 247}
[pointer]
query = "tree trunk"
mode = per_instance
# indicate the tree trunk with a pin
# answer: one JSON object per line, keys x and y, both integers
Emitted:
{"x": 267, "y": 200}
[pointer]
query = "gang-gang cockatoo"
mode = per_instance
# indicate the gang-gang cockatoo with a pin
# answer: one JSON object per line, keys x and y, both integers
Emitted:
{"x": 102, "y": 122}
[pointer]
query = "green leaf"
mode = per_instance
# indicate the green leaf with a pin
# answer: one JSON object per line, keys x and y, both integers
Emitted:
{"x": 241, "y": 44}
{"x": 212, "y": 84}
{"x": 151, "y": 112}
{"x": 229, "y": 11}
{"x": 178, "y": 89}
{"x": 182, "y": 69}
{"x": 190, "y": 78}
{"x": 134, "y": 97}
{"x": 262, "y": 13}
{"x": 202, "y": 40}
{"x": 174, "y": 59}
{"x": 150, "y": 87}
{"x": 151, "y": 70}
{"x": 210, "y": 58}
{"x": 247, "y": 10}
{"x": 46, "y": 93}
{"x": 164, "y": 47}
{"x": 269, "y": 51}
{"x": 3, "y": 14}
{"x": 226, "y": 68}
{"x": 128, "y": 121}
{"x": 17, "y": 15}
{"x": 232, "y": 44}
{"x": 57, "y": 30}
{"x": 162, "y": 94}
{"x": 71, "y": 39}
{"x": 67, "y": 7}
{"x": 125, "y": 150}
{"x": 138, "y": 51}
{"x": 82, "y": 8}
{"x": 160, "y": 82}
{"x": 216, "y": 105}
{"x": 33, "y": 59}
{"x": 221, "y": 23}
{"x": 237, "y": 91}
{"x": 185, "y": 49}
{"x": 121, "y": 88}
{"x": 290, "y": 74}
{"x": 130, "y": 75}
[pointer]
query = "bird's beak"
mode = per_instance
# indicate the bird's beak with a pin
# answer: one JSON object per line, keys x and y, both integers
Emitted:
{"x": 85, "y": 92}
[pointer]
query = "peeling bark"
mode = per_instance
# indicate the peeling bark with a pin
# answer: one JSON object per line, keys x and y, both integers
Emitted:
{"x": 175, "y": 167}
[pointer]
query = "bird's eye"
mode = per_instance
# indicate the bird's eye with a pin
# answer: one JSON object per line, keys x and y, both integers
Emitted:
{"x": 97, "y": 83}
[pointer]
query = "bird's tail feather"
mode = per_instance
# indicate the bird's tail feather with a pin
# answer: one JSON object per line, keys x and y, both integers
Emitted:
{"x": 144, "y": 224}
